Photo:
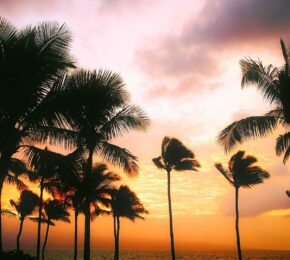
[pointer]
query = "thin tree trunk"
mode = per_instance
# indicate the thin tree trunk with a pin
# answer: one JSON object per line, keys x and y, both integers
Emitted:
{"x": 76, "y": 236}
{"x": 1, "y": 186}
{"x": 237, "y": 225}
{"x": 19, "y": 234}
{"x": 39, "y": 220}
{"x": 87, "y": 237}
{"x": 115, "y": 238}
{"x": 45, "y": 240}
{"x": 118, "y": 239}
{"x": 170, "y": 217}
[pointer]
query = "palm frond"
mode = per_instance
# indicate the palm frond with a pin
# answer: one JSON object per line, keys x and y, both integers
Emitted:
{"x": 8, "y": 213}
{"x": 13, "y": 180}
{"x": 120, "y": 157}
{"x": 251, "y": 127}
{"x": 17, "y": 166}
{"x": 286, "y": 155}
{"x": 253, "y": 72}
{"x": 158, "y": 162}
{"x": 288, "y": 193}
{"x": 282, "y": 143}
{"x": 187, "y": 164}
{"x": 224, "y": 172}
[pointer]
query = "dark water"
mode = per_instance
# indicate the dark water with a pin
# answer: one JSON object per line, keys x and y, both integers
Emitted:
{"x": 165, "y": 255}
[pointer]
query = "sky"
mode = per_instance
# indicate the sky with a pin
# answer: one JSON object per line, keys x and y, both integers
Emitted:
{"x": 180, "y": 62}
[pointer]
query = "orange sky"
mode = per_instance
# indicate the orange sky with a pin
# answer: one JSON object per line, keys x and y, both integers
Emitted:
{"x": 179, "y": 60}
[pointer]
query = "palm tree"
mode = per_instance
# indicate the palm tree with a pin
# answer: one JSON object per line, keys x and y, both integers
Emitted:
{"x": 98, "y": 111}
{"x": 242, "y": 172}
{"x": 95, "y": 189}
{"x": 54, "y": 210}
{"x": 274, "y": 84}
{"x": 25, "y": 206}
{"x": 30, "y": 60}
{"x": 51, "y": 170}
{"x": 124, "y": 203}
{"x": 174, "y": 156}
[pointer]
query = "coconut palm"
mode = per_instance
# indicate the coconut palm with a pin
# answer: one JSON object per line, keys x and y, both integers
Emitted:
{"x": 99, "y": 111}
{"x": 25, "y": 206}
{"x": 174, "y": 156}
{"x": 125, "y": 203}
{"x": 242, "y": 172}
{"x": 95, "y": 189}
{"x": 30, "y": 60}
{"x": 54, "y": 210}
{"x": 274, "y": 84}
{"x": 52, "y": 171}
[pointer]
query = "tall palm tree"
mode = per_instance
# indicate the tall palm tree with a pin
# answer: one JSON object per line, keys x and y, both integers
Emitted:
{"x": 174, "y": 156}
{"x": 242, "y": 172}
{"x": 99, "y": 111}
{"x": 30, "y": 60}
{"x": 95, "y": 189}
{"x": 274, "y": 84}
{"x": 25, "y": 206}
{"x": 54, "y": 210}
{"x": 125, "y": 203}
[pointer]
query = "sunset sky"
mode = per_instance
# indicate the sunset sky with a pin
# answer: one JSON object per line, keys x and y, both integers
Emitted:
{"x": 180, "y": 62}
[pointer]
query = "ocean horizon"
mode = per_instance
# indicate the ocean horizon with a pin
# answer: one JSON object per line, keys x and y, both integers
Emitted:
{"x": 107, "y": 254}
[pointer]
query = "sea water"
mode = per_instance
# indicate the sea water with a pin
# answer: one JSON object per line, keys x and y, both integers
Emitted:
{"x": 103, "y": 254}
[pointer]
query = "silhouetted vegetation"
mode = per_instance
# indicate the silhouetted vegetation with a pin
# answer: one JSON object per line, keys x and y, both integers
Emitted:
{"x": 174, "y": 156}
{"x": 242, "y": 172}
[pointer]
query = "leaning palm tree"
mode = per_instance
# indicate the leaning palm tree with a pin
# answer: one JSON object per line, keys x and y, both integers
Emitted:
{"x": 24, "y": 207}
{"x": 174, "y": 156}
{"x": 30, "y": 60}
{"x": 99, "y": 111}
{"x": 54, "y": 210}
{"x": 125, "y": 203}
{"x": 274, "y": 84}
{"x": 242, "y": 172}
{"x": 95, "y": 189}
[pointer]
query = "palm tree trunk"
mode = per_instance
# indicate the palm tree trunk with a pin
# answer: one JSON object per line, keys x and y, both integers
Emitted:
{"x": 76, "y": 236}
{"x": 118, "y": 238}
{"x": 87, "y": 237}
{"x": 19, "y": 234}
{"x": 170, "y": 217}
{"x": 39, "y": 220}
{"x": 1, "y": 186}
{"x": 45, "y": 240}
{"x": 237, "y": 225}
{"x": 115, "y": 237}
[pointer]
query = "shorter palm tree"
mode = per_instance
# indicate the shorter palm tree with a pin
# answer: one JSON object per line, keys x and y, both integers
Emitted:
{"x": 242, "y": 172}
{"x": 25, "y": 206}
{"x": 124, "y": 203}
{"x": 174, "y": 156}
{"x": 54, "y": 210}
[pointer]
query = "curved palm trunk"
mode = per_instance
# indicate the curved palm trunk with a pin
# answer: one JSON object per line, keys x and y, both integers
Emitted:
{"x": 116, "y": 236}
{"x": 45, "y": 240}
{"x": 170, "y": 217}
{"x": 39, "y": 220}
{"x": 76, "y": 236}
{"x": 237, "y": 225}
{"x": 19, "y": 234}
{"x": 87, "y": 237}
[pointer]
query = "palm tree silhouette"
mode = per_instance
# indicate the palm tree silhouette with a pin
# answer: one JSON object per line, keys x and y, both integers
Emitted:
{"x": 124, "y": 203}
{"x": 24, "y": 207}
{"x": 242, "y": 172}
{"x": 31, "y": 59}
{"x": 95, "y": 189}
{"x": 274, "y": 85}
{"x": 54, "y": 210}
{"x": 51, "y": 170}
{"x": 98, "y": 111}
{"x": 174, "y": 156}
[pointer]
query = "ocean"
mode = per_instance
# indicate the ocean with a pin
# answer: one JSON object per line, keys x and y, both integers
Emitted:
{"x": 165, "y": 255}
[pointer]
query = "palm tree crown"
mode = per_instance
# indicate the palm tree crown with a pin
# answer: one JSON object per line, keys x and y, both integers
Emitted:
{"x": 175, "y": 156}
{"x": 242, "y": 172}
{"x": 274, "y": 84}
